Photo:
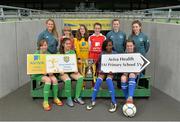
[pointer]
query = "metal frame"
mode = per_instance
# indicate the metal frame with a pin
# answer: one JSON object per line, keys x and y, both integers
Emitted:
{"x": 165, "y": 13}
{"x": 9, "y": 12}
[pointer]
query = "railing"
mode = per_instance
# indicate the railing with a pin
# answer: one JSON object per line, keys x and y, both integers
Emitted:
{"x": 168, "y": 13}
{"x": 163, "y": 13}
{"x": 9, "y": 12}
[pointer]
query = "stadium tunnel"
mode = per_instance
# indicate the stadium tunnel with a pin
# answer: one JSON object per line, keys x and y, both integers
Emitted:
{"x": 18, "y": 38}
{"x": 163, "y": 54}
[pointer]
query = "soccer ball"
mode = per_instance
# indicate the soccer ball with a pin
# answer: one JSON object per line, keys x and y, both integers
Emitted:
{"x": 129, "y": 109}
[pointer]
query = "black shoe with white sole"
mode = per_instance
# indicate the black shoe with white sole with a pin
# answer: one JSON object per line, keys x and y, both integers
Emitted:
{"x": 91, "y": 106}
{"x": 113, "y": 108}
{"x": 79, "y": 100}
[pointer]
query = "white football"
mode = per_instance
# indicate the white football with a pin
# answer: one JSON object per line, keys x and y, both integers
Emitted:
{"x": 129, "y": 109}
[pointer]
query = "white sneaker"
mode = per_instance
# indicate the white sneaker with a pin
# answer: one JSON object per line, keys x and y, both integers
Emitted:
{"x": 112, "y": 108}
{"x": 91, "y": 106}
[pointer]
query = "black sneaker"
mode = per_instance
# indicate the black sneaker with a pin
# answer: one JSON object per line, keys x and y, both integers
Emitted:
{"x": 91, "y": 106}
{"x": 79, "y": 100}
{"x": 112, "y": 108}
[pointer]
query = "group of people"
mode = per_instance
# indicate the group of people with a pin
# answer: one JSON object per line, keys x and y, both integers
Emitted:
{"x": 89, "y": 47}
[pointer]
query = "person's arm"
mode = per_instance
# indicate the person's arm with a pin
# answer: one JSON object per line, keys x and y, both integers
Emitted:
{"x": 89, "y": 42}
{"x": 76, "y": 52}
{"x": 76, "y": 48}
{"x": 40, "y": 37}
{"x": 98, "y": 69}
{"x": 75, "y": 44}
{"x": 104, "y": 38}
{"x": 57, "y": 43}
{"x": 108, "y": 35}
{"x": 129, "y": 37}
{"x": 124, "y": 42}
{"x": 146, "y": 44}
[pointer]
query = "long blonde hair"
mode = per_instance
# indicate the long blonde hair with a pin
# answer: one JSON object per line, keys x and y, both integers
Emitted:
{"x": 54, "y": 31}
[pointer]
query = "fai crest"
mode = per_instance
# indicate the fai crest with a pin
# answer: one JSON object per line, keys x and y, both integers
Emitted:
{"x": 66, "y": 59}
{"x": 140, "y": 39}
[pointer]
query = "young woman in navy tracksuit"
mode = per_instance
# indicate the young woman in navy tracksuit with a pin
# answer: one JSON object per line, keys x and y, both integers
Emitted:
{"x": 51, "y": 35}
{"x": 140, "y": 39}
{"x": 118, "y": 37}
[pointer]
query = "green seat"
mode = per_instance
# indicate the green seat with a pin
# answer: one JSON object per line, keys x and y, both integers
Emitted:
{"x": 143, "y": 89}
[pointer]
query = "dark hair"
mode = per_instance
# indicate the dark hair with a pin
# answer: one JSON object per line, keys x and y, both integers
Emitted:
{"x": 97, "y": 23}
{"x": 78, "y": 34}
{"x": 132, "y": 41}
{"x": 105, "y": 43}
{"x": 61, "y": 48}
{"x": 136, "y": 22}
{"x": 116, "y": 20}
{"x": 40, "y": 43}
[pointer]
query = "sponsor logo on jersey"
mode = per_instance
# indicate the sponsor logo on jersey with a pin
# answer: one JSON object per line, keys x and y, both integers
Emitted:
{"x": 97, "y": 43}
{"x": 121, "y": 37}
{"x": 111, "y": 37}
{"x": 141, "y": 39}
{"x": 83, "y": 43}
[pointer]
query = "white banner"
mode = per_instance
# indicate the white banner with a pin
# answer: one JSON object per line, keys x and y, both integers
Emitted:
{"x": 121, "y": 63}
{"x": 58, "y": 63}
